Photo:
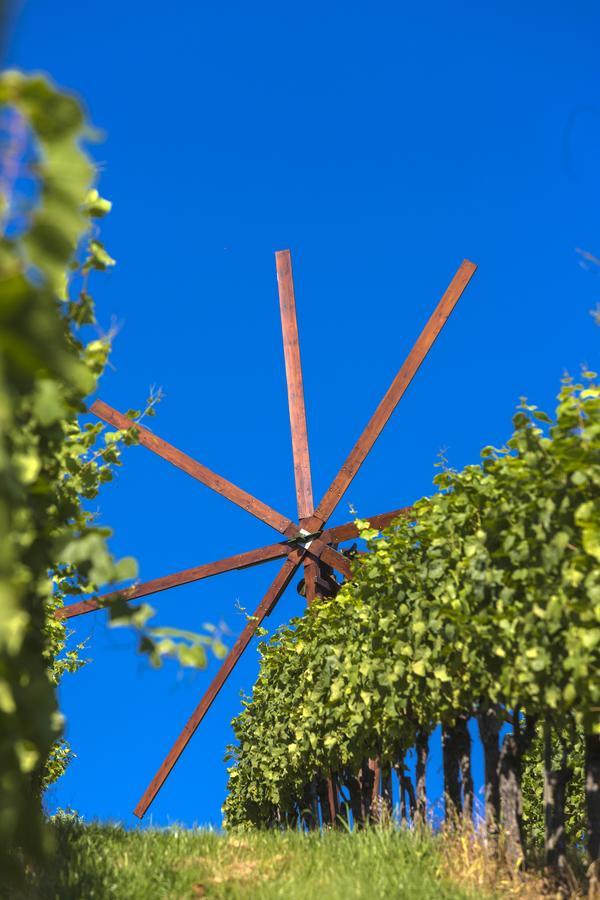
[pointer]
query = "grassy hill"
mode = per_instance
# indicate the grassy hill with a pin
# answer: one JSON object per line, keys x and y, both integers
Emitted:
{"x": 100, "y": 861}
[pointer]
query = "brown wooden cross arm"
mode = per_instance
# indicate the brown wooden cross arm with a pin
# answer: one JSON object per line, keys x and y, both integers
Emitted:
{"x": 231, "y": 563}
{"x": 293, "y": 371}
{"x": 394, "y": 394}
{"x": 198, "y": 471}
{"x": 283, "y": 578}
{"x": 317, "y": 520}
{"x": 297, "y": 410}
{"x": 209, "y": 478}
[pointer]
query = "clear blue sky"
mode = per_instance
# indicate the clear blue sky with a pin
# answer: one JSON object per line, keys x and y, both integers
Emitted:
{"x": 382, "y": 143}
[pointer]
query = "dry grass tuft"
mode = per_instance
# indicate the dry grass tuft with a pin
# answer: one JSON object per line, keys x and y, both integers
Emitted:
{"x": 473, "y": 862}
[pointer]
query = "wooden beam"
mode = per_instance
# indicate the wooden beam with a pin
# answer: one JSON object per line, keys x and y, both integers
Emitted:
{"x": 334, "y": 559}
{"x": 267, "y": 604}
{"x": 331, "y": 801}
{"x": 318, "y": 549}
{"x": 293, "y": 371}
{"x": 346, "y": 532}
{"x": 195, "y": 469}
{"x": 393, "y": 395}
{"x": 311, "y": 568}
{"x": 230, "y": 564}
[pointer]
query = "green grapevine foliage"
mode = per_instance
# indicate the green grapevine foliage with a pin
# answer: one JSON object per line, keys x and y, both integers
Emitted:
{"x": 489, "y": 599}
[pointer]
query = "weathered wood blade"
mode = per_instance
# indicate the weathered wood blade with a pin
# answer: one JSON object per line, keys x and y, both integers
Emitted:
{"x": 336, "y": 560}
{"x": 318, "y": 549}
{"x": 346, "y": 532}
{"x": 311, "y": 569}
{"x": 268, "y": 602}
{"x": 394, "y": 393}
{"x": 195, "y": 469}
{"x": 230, "y": 564}
{"x": 293, "y": 371}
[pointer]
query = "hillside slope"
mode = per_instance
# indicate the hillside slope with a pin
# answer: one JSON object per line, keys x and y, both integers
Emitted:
{"x": 99, "y": 861}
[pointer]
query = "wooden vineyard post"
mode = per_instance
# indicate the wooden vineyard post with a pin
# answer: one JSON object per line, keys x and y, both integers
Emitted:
{"x": 331, "y": 799}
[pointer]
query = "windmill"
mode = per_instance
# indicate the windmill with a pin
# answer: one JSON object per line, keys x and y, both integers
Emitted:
{"x": 308, "y": 542}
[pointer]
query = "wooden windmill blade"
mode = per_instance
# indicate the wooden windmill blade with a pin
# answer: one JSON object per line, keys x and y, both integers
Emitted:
{"x": 198, "y": 471}
{"x": 319, "y": 550}
{"x": 285, "y": 575}
{"x": 340, "y": 533}
{"x": 293, "y": 371}
{"x": 297, "y": 409}
{"x": 304, "y": 496}
{"x": 394, "y": 394}
{"x": 187, "y": 576}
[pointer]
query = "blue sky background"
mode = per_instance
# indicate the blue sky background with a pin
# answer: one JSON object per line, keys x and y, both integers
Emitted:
{"x": 382, "y": 143}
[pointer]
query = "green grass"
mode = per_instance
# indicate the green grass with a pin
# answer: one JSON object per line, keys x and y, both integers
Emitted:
{"x": 101, "y": 861}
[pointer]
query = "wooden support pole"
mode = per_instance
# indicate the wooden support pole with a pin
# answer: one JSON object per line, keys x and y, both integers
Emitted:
{"x": 195, "y": 469}
{"x": 394, "y": 393}
{"x": 266, "y": 605}
{"x": 332, "y": 557}
{"x": 293, "y": 371}
{"x": 340, "y": 533}
{"x": 230, "y": 564}
{"x": 311, "y": 568}
{"x": 331, "y": 799}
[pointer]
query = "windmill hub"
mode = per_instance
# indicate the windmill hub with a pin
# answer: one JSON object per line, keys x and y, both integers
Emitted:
{"x": 304, "y": 538}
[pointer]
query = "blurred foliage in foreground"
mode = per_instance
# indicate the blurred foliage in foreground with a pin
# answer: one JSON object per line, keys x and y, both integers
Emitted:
{"x": 46, "y": 463}
{"x": 50, "y": 464}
